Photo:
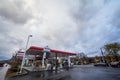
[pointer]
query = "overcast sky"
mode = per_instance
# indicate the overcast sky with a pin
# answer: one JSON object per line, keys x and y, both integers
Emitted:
{"x": 69, "y": 25}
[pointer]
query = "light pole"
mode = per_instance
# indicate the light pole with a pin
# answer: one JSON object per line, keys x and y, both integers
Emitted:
{"x": 23, "y": 59}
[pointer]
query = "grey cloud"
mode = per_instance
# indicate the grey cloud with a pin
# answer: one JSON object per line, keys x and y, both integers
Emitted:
{"x": 86, "y": 10}
{"x": 78, "y": 26}
{"x": 9, "y": 10}
{"x": 9, "y": 45}
{"x": 116, "y": 19}
{"x": 8, "y": 40}
{"x": 88, "y": 36}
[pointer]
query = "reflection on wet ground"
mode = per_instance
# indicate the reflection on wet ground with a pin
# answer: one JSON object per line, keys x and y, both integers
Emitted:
{"x": 93, "y": 73}
{"x": 36, "y": 75}
{"x": 78, "y": 73}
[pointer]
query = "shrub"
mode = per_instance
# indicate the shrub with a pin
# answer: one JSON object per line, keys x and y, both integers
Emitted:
{"x": 14, "y": 68}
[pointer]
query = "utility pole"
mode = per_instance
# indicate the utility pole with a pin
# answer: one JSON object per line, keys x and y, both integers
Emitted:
{"x": 102, "y": 55}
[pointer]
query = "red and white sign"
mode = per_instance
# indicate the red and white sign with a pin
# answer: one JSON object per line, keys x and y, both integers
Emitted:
{"x": 20, "y": 54}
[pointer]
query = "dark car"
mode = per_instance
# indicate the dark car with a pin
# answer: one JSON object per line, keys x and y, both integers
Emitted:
{"x": 1, "y": 64}
{"x": 115, "y": 64}
{"x": 79, "y": 63}
{"x": 101, "y": 64}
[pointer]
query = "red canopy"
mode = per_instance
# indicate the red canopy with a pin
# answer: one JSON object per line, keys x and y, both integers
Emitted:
{"x": 52, "y": 50}
{"x": 36, "y": 48}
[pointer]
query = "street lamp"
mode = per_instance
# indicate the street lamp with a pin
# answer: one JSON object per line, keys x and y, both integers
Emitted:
{"x": 23, "y": 59}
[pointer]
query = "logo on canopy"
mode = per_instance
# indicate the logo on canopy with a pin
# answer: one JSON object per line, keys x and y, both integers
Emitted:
{"x": 46, "y": 49}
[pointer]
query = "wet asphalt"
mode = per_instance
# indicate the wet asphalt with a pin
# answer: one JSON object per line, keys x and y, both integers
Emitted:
{"x": 79, "y": 72}
{"x": 87, "y": 72}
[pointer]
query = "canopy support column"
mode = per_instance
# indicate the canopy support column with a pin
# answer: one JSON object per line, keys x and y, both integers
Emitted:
{"x": 69, "y": 61}
{"x": 46, "y": 49}
{"x": 43, "y": 59}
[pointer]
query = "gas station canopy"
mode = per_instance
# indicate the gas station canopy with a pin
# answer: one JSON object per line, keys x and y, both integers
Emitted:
{"x": 51, "y": 50}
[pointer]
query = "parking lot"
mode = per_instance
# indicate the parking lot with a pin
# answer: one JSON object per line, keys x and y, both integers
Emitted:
{"x": 90, "y": 72}
{"x": 80, "y": 72}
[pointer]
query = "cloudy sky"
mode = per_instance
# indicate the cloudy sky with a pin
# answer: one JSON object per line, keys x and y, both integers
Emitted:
{"x": 69, "y": 25}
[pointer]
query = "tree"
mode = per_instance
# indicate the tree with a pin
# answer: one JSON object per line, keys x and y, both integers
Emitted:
{"x": 112, "y": 49}
{"x": 82, "y": 58}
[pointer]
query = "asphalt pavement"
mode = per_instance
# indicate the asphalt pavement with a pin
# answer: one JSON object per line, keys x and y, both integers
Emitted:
{"x": 90, "y": 72}
{"x": 79, "y": 72}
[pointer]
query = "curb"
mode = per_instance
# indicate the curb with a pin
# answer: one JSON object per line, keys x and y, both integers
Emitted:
{"x": 17, "y": 75}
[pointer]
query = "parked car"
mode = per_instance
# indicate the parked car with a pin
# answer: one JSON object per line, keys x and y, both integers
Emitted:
{"x": 101, "y": 64}
{"x": 1, "y": 64}
{"x": 115, "y": 64}
{"x": 77, "y": 63}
